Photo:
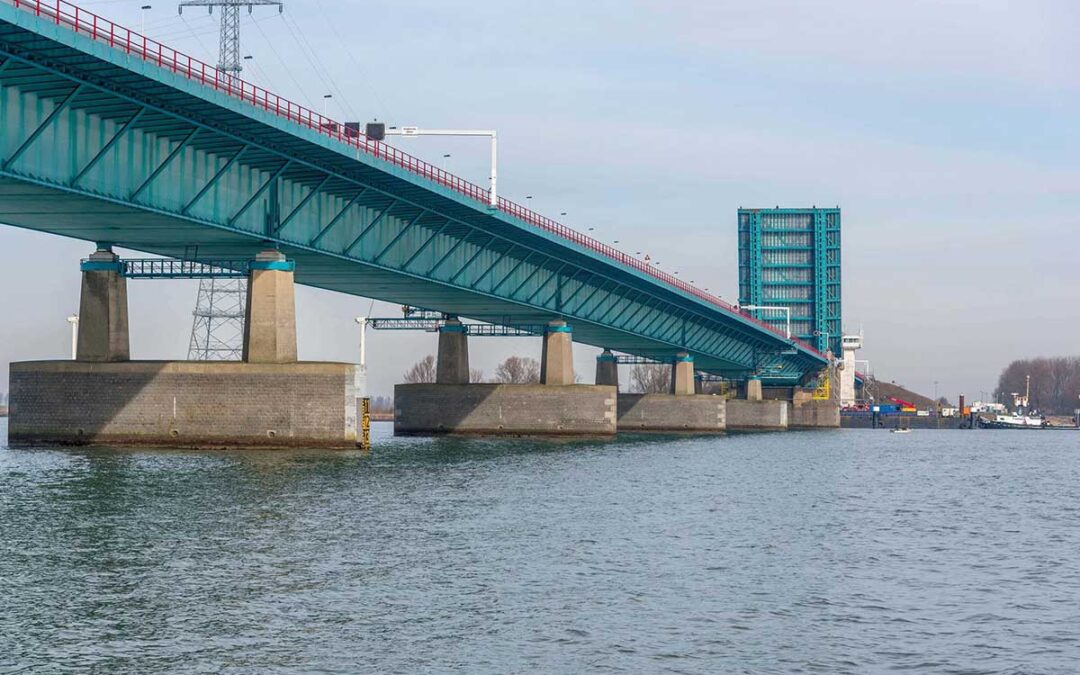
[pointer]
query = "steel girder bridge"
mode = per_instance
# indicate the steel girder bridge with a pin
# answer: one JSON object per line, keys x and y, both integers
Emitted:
{"x": 109, "y": 136}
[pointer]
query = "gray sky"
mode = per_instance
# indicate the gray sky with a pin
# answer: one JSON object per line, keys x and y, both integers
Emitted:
{"x": 944, "y": 129}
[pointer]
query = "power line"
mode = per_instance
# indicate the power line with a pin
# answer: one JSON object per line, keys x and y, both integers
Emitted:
{"x": 284, "y": 65}
{"x": 313, "y": 59}
{"x": 385, "y": 113}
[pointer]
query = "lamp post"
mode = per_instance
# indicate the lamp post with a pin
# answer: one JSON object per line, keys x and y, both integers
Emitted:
{"x": 362, "y": 321}
{"x": 142, "y": 19}
{"x": 74, "y": 321}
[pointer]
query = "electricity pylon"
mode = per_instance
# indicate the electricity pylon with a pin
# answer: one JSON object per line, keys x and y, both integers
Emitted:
{"x": 229, "y": 57}
{"x": 217, "y": 333}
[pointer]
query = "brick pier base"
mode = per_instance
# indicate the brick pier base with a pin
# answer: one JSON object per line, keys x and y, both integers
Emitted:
{"x": 184, "y": 403}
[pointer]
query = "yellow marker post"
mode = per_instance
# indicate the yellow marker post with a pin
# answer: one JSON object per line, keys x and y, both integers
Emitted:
{"x": 365, "y": 423}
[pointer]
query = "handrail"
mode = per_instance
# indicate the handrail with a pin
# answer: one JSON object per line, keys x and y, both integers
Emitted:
{"x": 81, "y": 21}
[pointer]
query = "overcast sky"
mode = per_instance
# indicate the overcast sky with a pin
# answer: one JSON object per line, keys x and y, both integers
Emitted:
{"x": 945, "y": 130}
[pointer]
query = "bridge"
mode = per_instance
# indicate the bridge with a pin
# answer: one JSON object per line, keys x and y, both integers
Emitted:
{"x": 111, "y": 137}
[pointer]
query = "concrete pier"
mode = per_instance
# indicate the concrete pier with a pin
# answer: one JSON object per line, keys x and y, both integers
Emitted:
{"x": 504, "y": 409}
{"x": 452, "y": 366}
{"x": 753, "y": 389}
{"x": 103, "y": 309}
{"x": 270, "y": 326}
{"x": 682, "y": 375}
{"x": 607, "y": 369}
{"x": 268, "y": 400}
{"x": 557, "y": 359}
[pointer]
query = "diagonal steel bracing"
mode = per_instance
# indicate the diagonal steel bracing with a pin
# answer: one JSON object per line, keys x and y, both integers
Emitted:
{"x": 48, "y": 122}
{"x": 399, "y": 235}
{"x": 108, "y": 146}
{"x": 303, "y": 202}
{"x": 370, "y": 226}
{"x": 337, "y": 218}
{"x": 180, "y": 147}
{"x": 479, "y": 251}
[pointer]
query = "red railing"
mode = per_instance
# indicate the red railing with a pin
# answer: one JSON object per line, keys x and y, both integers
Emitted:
{"x": 82, "y": 21}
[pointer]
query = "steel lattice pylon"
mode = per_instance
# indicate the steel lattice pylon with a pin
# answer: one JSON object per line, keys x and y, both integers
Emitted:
{"x": 217, "y": 332}
{"x": 229, "y": 55}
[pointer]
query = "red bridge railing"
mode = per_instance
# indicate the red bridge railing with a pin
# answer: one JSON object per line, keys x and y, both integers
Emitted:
{"x": 124, "y": 39}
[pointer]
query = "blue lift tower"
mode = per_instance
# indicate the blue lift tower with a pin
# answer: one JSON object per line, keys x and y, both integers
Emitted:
{"x": 789, "y": 270}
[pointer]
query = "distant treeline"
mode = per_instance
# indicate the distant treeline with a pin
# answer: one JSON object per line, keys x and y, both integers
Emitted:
{"x": 1055, "y": 384}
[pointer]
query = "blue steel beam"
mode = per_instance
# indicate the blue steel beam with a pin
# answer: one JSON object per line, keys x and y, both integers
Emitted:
{"x": 48, "y": 122}
{"x": 214, "y": 180}
{"x": 180, "y": 147}
{"x": 336, "y": 219}
{"x": 108, "y": 146}
{"x": 272, "y": 180}
{"x": 427, "y": 242}
{"x": 480, "y": 250}
{"x": 379, "y": 256}
{"x": 304, "y": 202}
{"x": 375, "y": 221}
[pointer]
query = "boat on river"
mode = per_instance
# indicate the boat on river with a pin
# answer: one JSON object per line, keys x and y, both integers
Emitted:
{"x": 1013, "y": 422}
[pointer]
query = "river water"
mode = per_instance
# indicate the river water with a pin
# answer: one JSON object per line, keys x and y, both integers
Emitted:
{"x": 816, "y": 552}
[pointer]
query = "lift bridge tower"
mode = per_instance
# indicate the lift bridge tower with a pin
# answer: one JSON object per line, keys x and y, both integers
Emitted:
{"x": 217, "y": 332}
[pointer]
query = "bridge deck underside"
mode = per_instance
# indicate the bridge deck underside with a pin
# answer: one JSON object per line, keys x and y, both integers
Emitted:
{"x": 132, "y": 155}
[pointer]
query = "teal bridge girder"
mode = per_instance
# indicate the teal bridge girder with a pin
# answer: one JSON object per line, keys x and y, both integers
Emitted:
{"x": 99, "y": 142}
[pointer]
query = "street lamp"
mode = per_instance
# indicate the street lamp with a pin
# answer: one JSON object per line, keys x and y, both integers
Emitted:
{"x": 362, "y": 322}
{"x": 74, "y": 321}
{"x": 142, "y": 19}
{"x": 325, "y": 99}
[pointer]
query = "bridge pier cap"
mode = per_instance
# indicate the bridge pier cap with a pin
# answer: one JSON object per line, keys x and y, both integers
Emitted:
{"x": 103, "y": 309}
{"x": 270, "y": 329}
{"x": 682, "y": 374}
{"x": 452, "y": 366}
{"x": 557, "y": 357}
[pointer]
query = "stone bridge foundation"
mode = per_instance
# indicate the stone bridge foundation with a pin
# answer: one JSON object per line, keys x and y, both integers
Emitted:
{"x": 267, "y": 400}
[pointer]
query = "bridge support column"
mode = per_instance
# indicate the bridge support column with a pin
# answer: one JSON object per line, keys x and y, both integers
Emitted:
{"x": 607, "y": 369}
{"x": 753, "y": 389}
{"x": 103, "y": 311}
{"x": 270, "y": 329}
{"x": 557, "y": 359}
{"x": 682, "y": 375}
{"x": 453, "y": 363}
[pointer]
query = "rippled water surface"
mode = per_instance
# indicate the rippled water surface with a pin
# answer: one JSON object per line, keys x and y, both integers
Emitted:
{"x": 831, "y": 552}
